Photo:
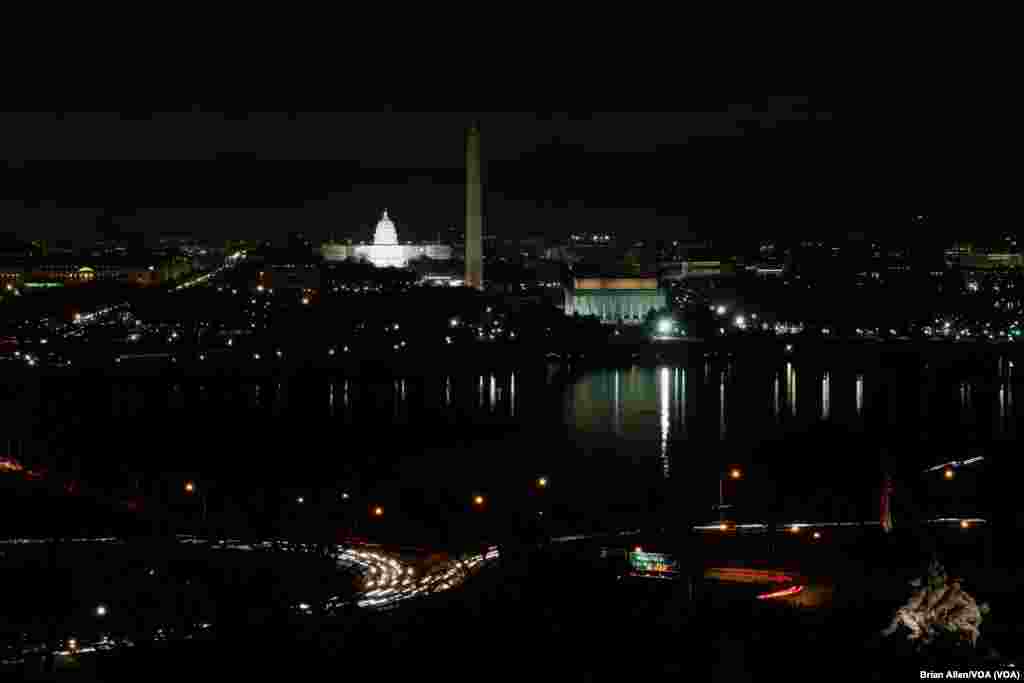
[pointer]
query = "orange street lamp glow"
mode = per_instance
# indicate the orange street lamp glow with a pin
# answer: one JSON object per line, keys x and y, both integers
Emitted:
{"x": 795, "y": 529}
{"x": 478, "y": 500}
{"x": 378, "y": 511}
{"x": 964, "y": 524}
{"x": 817, "y": 534}
{"x": 723, "y": 526}
{"x": 949, "y": 473}
{"x": 189, "y": 487}
{"x": 735, "y": 473}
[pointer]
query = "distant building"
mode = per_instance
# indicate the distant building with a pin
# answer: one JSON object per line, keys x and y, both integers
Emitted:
{"x": 233, "y": 246}
{"x": 615, "y": 300}
{"x": 692, "y": 260}
{"x": 336, "y": 251}
{"x": 958, "y": 251}
{"x": 386, "y": 251}
{"x": 991, "y": 261}
{"x": 70, "y": 270}
{"x": 767, "y": 270}
{"x": 705, "y": 268}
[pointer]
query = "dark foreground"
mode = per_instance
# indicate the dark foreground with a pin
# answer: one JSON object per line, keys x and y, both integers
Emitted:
{"x": 546, "y": 616}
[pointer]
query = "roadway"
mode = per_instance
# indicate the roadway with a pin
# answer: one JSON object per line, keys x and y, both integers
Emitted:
{"x": 387, "y": 578}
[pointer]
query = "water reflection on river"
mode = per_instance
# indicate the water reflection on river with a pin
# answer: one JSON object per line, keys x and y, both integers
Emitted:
{"x": 601, "y": 432}
{"x": 655, "y": 411}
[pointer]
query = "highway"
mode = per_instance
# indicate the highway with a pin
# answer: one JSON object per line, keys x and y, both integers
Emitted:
{"x": 386, "y": 579}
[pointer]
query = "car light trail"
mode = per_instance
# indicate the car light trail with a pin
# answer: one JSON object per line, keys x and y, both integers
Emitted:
{"x": 394, "y": 581}
{"x": 785, "y": 592}
{"x": 748, "y": 575}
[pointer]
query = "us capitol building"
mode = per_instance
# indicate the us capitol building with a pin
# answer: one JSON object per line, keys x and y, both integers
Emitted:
{"x": 386, "y": 251}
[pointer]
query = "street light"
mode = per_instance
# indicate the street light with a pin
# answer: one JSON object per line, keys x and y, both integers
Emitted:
{"x": 949, "y": 473}
{"x": 734, "y": 474}
{"x": 378, "y": 511}
{"x": 190, "y": 488}
{"x": 101, "y": 610}
{"x": 542, "y": 482}
{"x": 478, "y": 500}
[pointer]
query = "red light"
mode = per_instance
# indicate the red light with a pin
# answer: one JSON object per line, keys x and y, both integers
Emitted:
{"x": 765, "y": 576}
{"x": 792, "y": 590}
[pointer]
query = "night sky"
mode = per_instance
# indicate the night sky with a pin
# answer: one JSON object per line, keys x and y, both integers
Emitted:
{"x": 768, "y": 167}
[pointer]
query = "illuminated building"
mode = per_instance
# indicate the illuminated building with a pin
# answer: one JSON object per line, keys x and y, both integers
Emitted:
{"x": 84, "y": 270}
{"x": 615, "y": 299}
{"x": 990, "y": 261}
{"x": 386, "y": 251}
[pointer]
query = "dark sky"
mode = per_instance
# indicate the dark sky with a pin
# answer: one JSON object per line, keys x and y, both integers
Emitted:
{"x": 719, "y": 170}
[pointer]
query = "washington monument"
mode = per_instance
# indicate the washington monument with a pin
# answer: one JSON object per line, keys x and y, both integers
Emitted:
{"x": 474, "y": 211}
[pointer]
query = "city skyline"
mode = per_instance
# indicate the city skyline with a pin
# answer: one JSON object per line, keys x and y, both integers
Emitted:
{"x": 802, "y": 384}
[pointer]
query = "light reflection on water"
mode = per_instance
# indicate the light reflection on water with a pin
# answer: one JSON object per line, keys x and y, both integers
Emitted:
{"x": 663, "y": 390}
{"x": 776, "y": 397}
{"x": 721, "y": 405}
{"x": 629, "y": 403}
{"x": 643, "y": 411}
{"x": 791, "y": 388}
{"x": 826, "y": 397}
{"x": 860, "y": 394}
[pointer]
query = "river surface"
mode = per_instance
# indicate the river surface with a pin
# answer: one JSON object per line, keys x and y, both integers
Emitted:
{"x": 615, "y": 443}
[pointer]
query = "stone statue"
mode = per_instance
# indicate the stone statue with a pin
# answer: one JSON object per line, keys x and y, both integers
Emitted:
{"x": 936, "y": 609}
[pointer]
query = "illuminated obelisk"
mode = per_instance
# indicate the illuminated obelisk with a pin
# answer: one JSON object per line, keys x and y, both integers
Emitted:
{"x": 474, "y": 211}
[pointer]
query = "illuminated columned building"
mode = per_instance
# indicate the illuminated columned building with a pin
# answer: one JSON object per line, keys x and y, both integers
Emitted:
{"x": 615, "y": 299}
{"x": 386, "y": 251}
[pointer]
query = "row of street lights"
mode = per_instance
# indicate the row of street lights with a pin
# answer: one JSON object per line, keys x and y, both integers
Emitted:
{"x": 948, "y": 473}
{"x": 377, "y": 511}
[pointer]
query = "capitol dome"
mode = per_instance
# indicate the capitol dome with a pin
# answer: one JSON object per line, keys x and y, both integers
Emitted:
{"x": 385, "y": 251}
{"x": 385, "y": 232}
